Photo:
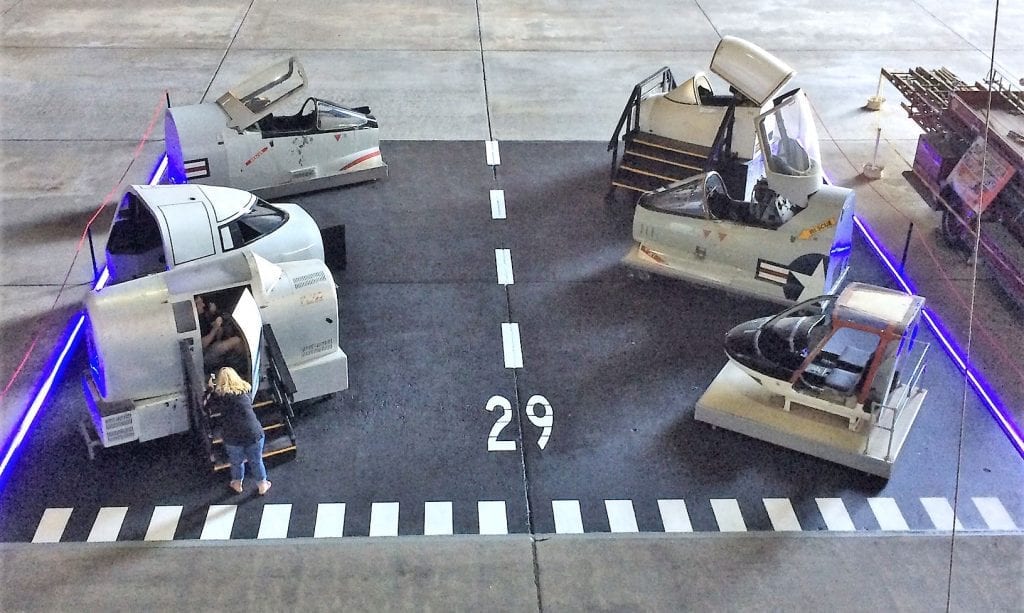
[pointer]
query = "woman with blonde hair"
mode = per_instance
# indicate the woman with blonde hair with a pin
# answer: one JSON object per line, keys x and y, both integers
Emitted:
{"x": 240, "y": 428}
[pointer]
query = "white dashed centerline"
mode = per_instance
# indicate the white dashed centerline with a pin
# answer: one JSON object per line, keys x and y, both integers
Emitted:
{"x": 503, "y": 264}
{"x": 497, "y": 204}
{"x": 511, "y": 346}
{"x": 493, "y": 157}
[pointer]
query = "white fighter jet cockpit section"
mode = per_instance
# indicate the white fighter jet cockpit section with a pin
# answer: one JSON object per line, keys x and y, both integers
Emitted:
{"x": 732, "y": 192}
{"x": 158, "y": 227}
{"x": 244, "y": 141}
{"x": 205, "y": 277}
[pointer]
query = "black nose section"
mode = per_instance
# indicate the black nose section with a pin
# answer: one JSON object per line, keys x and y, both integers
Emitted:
{"x": 741, "y": 343}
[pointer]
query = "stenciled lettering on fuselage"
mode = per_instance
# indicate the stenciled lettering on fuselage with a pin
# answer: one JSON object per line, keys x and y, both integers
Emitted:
{"x": 257, "y": 155}
{"x": 807, "y": 233}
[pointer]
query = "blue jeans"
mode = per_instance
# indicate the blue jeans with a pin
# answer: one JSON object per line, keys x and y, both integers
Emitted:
{"x": 252, "y": 453}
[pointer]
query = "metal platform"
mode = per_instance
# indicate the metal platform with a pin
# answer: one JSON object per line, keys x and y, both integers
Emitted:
{"x": 736, "y": 402}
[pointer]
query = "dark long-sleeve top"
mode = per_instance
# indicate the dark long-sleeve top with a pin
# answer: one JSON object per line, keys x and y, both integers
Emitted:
{"x": 239, "y": 424}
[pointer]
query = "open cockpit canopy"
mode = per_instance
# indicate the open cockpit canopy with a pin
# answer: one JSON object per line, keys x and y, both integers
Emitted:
{"x": 257, "y": 96}
{"x": 749, "y": 69}
{"x": 789, "y": 138}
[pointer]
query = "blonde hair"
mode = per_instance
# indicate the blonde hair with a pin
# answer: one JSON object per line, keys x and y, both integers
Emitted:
{"x": 229, "y": 383}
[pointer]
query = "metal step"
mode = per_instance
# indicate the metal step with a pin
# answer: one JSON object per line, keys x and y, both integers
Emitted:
{"x": 269, "y": 430}
{"x": 650, "y": 161}
{"x": 676, "y": 147}
{"x": 279, "y": 448}
{"x": 280, "y": 438}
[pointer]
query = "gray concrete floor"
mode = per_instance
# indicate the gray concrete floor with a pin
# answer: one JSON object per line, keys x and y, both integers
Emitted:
{"x": 81, "y": 81}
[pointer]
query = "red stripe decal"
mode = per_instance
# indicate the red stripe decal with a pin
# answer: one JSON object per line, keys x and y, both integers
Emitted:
{"x": 360, "y": 160}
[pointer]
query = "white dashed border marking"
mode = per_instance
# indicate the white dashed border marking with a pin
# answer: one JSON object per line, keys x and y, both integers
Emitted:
{"x": 674, "y": 517}
{"x": 437, "y": 518}
{"x": 888, "y": 514}
{"x": 568, "y": 519}
{"x": 834, "y": 512}
{"x": 163, "y": 523}
{"x": 781, "y": 514}
{"x": 330, "y": 520}
{"x": 728, "y": 515}
{"x": 51, "y": 526}
{"x": 107, "y": 525}
{"x": 384, "y": 519}
{"x": 492, "y": 518}
{"x": 274, "y": 523}
{"x": 219, "y": 520}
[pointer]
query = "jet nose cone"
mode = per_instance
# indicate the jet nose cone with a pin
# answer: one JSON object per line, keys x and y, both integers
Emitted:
{"x": 741, "y": 342}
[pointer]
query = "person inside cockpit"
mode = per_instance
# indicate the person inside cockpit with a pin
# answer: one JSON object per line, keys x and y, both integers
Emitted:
{"x": 220, "y": 341}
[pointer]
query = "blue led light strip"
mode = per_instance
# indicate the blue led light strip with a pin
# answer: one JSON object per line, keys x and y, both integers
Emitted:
{"x": 60, "y": 355}
{"x": 988, "y": 397}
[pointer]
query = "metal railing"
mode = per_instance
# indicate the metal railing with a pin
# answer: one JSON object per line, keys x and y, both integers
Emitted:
{"x": 629, "y": 121}
{"x": 723, "y": 140}
{"x": 894, "y": 404}
{"x": 281, "y": 383}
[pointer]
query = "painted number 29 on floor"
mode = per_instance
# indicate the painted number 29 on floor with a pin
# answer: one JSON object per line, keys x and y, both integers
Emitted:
{"x": 544, "y": 421}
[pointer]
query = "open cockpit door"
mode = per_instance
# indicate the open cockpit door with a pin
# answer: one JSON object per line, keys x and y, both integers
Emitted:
{"x": 247, "y": 318}
{"x": 257, "y": 96}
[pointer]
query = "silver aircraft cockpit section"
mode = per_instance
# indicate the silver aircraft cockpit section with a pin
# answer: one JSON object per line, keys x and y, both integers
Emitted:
{"x": 247, "y": 139}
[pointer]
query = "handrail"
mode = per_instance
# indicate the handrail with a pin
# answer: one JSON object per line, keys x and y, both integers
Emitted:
{"x": 723, "y": 139}
{"x": 277, "y": 369}
{"x": 897, "y": 404}
{"x": 660, "y": 81}
{"x": 195, "y": 388}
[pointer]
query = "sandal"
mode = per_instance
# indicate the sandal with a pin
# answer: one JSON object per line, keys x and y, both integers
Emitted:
{"x": 236, "y": 486}
{"x": 263, "y": 487}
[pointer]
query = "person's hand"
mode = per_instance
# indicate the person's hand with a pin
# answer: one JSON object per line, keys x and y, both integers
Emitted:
{"x": 217, "y": 323}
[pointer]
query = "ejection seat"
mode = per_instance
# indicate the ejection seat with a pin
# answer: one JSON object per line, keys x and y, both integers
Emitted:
{"x": 842, "y": 362}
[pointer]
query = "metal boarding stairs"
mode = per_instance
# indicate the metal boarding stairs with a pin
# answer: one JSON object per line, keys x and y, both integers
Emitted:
{"x": 650, "y": 161}
{"x": 272, "y": 404}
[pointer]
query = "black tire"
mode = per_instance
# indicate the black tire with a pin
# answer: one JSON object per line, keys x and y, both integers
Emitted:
{"x": 953, "y": 232}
